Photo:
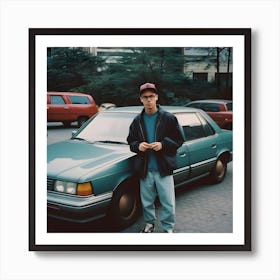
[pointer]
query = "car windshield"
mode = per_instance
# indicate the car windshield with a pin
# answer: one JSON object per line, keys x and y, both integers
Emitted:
{"x": 107, "y": 127}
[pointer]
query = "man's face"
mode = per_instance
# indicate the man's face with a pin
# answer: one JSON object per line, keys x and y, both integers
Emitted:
{"x": 149, "y": 99}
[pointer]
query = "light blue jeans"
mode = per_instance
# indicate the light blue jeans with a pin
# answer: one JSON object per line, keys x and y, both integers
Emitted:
{"x": 152, "y": 186}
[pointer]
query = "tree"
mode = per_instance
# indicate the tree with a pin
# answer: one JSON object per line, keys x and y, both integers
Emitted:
{"x": 70, "y": 68}
{"x": 119, "y": 81}
{"x": 223, "y": 56}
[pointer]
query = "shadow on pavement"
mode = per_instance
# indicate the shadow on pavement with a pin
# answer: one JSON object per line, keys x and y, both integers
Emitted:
{"x": 100, "y": 225}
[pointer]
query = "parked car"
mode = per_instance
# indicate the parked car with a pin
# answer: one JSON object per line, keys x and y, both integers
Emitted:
{"x": 68, "y": 107}
{"x": 106, "y": 106}
{"x": 91, "y": 174}
{"x": 219, "y": 110}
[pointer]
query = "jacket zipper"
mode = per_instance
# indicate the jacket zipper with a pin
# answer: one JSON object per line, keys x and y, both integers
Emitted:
{"x": 158, "y": 121}
{"x": 157, "y": 125}
{"x": 145, "y": 157}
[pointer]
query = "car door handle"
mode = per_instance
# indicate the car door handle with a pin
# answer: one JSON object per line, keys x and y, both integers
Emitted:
{"x": 214, "y": 146}
{"x": 183, "y": 154}
{"x": 66, "y": 107}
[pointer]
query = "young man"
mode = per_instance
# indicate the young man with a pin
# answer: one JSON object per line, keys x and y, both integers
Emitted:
{"x": 155, "y": 136}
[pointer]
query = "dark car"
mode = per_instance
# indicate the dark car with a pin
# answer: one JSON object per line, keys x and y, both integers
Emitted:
{"x": 219, "y": 110}
{"x": 92, "y": 174}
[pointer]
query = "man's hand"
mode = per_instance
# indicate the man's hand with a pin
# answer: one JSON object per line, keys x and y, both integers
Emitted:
{"x": 156, "y": 146}
{"x": 144, "y": 146}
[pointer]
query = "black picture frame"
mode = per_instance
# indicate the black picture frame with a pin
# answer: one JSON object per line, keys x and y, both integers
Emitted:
{"x": 34, "y": 33}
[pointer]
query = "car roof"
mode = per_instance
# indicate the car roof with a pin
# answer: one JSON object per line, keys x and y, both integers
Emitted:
{"x": 66, "y": 93}
{"x": 138, "y": 109}
{"x": 211, "y": 100}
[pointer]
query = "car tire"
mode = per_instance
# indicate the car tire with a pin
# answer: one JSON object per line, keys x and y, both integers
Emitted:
{"x": 67, "y": 123}
{"x": 81, "y": 121}
{"x": 125, "y": 206}
{"x": 219, "y": 171}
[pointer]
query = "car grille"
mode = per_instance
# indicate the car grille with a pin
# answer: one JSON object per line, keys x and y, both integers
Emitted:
{"x": 50, "y": 184}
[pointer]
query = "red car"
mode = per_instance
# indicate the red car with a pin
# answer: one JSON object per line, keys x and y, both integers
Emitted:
{"x": 68, "y": 107}
{"x": 219, "y": 110}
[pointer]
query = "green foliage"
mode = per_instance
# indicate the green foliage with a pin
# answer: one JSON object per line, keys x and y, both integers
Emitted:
{"x": 70, "y": 67}
{"x": 118, "y": 81}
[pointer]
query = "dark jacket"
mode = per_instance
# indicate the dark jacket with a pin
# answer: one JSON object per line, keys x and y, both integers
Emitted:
{"x": 167, "y": 131}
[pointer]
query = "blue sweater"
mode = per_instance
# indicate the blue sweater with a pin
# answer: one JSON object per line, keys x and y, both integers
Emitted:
{"x": 150, "y": 124}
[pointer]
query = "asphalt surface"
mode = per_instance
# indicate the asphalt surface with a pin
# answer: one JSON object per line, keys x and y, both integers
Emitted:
{"x": 200, "y": 207}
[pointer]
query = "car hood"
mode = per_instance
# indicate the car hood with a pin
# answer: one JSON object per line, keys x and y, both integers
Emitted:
{"x": 76, "y": 160}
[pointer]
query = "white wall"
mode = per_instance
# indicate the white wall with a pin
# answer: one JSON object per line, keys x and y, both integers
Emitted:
{"x": 17, "y": 262}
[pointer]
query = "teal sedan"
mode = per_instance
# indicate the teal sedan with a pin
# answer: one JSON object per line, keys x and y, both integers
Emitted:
{"x": 91, "y": 175}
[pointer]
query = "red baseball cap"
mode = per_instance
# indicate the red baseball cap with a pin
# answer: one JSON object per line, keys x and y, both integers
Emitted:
{"x": 147, "y": 86}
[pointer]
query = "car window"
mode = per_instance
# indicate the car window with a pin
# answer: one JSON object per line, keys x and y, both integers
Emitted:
{"x": 194, "y": 105}
{"x": 208, "y": 129}
{"x": 229, "y": 106}
{"x": 79, "y": 99}
{"x": 192, "y": 126}
{"x": 57, "y": 100}
{"x": 210, "y": 107}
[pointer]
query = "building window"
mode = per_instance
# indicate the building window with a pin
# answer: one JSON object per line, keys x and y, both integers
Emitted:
{"x": 201, "y": 77}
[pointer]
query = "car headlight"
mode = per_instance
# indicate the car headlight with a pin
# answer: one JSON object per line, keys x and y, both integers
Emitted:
{"x": 82, "y": 189}
{"x": 65, "y": 187}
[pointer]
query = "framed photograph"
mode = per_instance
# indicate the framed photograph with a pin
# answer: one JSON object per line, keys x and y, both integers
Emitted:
{"x": 84, "y": 192}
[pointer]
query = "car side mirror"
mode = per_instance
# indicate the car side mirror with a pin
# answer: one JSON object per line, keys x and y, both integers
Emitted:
{"x": 73, "y": 133}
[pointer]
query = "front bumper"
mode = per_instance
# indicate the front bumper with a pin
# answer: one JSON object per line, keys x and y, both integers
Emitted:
{"x": 77, "y": 209}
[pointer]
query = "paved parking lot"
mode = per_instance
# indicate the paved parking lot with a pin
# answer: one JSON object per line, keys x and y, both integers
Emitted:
{"x": 200, "y": 207}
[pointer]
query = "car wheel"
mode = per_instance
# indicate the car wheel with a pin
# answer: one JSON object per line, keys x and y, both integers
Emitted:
{"x": 67, "y": 123}
{"x": 219, "y": 171}
{"x": 81, "y": 121}
{"x": 125, "y": 206}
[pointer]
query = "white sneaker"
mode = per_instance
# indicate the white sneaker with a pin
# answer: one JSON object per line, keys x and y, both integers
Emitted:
{"x": 149, "y": 228}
